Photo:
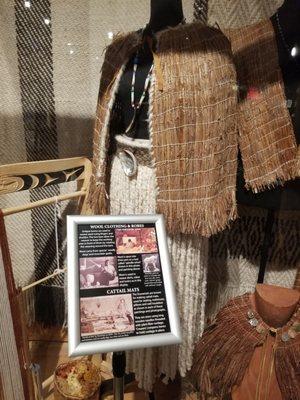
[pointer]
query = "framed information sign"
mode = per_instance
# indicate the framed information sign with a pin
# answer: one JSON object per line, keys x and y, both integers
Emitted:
{"x": 120, "y": 289}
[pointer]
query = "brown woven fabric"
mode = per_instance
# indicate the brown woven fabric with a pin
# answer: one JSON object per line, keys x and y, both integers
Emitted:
{"x": 116, "y": 56}
{"x": 192, "y": 127}
{"x": 266, "y": 137}
{"x": 194, "y": 131}
{"x": 224, "y": 352}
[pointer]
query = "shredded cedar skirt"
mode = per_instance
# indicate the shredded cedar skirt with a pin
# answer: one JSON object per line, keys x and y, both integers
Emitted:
{"x": 188, "y": 253}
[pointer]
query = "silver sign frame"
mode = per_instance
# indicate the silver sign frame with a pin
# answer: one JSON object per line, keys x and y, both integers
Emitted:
{"x": 76, "y": 346}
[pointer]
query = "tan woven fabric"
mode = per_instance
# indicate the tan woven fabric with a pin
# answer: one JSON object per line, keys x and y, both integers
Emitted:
{"x": 193, "y": 130}
{"x": 188, "y": 256}
{"x": 192, "y": 124}
{"x": 240, "y": 13}
{"x": 266, "y": 138}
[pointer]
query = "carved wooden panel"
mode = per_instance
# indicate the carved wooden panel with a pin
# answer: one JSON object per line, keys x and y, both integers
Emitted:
{"x": 16, "y": 183}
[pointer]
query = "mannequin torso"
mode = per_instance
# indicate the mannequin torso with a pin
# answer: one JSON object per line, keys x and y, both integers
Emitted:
{"x": 275, "y": 305}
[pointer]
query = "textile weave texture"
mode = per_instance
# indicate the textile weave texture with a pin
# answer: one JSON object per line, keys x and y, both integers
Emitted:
{"x": 11, "y": 385}
{"x": 235, "y": 13}
{"x": 232, "y": 340}
{"x": 184, "y": 124}
{"x": 50, "y": 77}
{"x": 188, "y": 256}
{"x": 235, "y": 255}
{"x": 267, "y": 140}
{"x": 194, "y": 132}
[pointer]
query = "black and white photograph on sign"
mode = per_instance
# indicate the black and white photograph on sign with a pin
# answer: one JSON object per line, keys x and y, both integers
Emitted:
{"x": 106, "y": 314}
{"x": 151, "y": 263}
{"x": 135, "y": 241}
{"x": 121, "y": 294}
{"x": 98, "y": 272}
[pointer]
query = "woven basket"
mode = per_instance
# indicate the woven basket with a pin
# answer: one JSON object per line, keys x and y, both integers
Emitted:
{"x": 58, "y": 393}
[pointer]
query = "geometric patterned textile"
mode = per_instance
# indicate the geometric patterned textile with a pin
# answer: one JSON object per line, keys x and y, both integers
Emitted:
{"x": 235, "y": 255}
{"x": 200, "y": 10}
{"x": 234, "y": 13}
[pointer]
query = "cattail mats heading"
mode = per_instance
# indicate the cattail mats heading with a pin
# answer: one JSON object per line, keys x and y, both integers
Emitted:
{"x": 193, "y": 128}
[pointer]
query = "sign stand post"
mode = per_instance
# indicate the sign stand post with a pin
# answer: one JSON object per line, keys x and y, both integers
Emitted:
{"x": 119, "y": 365}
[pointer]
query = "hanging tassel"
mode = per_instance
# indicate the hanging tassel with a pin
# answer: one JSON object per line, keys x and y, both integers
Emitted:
{"x": 97, "y": 197}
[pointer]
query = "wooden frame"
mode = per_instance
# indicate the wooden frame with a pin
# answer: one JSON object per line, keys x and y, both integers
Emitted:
{"x": 29, "y": 176}
{"x": 24, "y": 176}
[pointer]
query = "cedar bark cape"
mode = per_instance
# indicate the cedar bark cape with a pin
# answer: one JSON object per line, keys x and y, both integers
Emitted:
{"x": 223, "y": 354}
{"x": 192, "y": 124}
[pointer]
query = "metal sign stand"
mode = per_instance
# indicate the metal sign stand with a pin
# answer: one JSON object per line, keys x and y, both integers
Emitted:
{"x": 118, "y": 365}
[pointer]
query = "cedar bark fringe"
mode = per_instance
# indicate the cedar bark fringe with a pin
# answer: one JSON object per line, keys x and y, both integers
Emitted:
{"x": 192, "y": 126}
{"x": 223, "y": 354}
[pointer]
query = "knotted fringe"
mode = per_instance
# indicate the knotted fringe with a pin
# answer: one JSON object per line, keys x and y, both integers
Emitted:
{"x": 198, "y": 216}
{"x": 224, "y": 352}
{"x": 287, "y": 366}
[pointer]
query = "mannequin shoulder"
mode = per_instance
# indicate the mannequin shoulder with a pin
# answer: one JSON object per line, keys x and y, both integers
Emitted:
{"x": 194, "y": 34}
{"x": 123, "y": 41}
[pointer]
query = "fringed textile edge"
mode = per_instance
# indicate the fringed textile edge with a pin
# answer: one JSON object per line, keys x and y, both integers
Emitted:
{"x": 121, "y": 49}
{"x": 97, "y": 197}
{"x": 199, "y": 216}
{"x": 284, "y": 173}
{"x": 222, "y": 355}
{"x": 287, "y": 366}
{"x": 266, "y": 135}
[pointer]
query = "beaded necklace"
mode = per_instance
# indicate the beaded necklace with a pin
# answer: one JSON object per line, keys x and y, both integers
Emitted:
{"x": 136, "y": 105}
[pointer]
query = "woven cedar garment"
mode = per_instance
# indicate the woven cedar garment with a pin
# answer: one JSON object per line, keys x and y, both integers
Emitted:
{"x": 193, "y": 130}
{"x": 223, "y": 354}
{"x": 267, "y": 141}
{"x": 192, "y": 126}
